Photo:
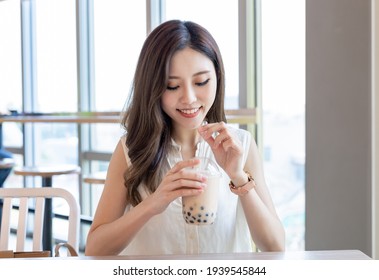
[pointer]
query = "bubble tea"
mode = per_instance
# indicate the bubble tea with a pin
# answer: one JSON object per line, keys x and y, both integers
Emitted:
{"x": 202, "y": 209}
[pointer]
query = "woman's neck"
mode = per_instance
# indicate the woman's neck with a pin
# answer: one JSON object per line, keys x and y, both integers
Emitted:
{"x": 187, "y": 140}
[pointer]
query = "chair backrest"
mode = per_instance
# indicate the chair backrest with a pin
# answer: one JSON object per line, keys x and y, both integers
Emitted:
{"x": 39, "y": 195}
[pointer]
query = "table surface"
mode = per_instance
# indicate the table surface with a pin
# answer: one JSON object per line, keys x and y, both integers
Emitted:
{"x": 47, "y": 171}
{"x": 295, "y": 255}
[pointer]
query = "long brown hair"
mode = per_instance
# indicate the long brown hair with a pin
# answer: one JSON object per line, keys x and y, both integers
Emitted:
{"x": 148, "y": 136}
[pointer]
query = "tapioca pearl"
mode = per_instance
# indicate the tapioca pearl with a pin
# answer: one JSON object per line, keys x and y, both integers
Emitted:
{"x": 189, "y": 213}
{"x": 199, "y": 215}
{"x": 202, "y": 208}
{"x": 191, "y": 208}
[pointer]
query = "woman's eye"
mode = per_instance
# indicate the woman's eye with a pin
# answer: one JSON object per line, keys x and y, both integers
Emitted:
{"x": 172, "y": 88}
{"x": 203, "y": 83}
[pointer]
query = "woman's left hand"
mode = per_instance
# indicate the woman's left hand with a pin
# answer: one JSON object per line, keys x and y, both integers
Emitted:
{"x": 226, "y": 148}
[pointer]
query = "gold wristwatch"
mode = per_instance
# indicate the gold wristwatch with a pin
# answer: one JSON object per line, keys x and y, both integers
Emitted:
{"x": 244, "y": 189}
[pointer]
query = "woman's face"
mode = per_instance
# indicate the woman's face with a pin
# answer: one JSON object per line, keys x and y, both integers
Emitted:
{"x": 191, "y": 88}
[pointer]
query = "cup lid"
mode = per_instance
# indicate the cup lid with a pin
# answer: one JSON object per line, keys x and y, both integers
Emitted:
{"x": 207, "y": 165}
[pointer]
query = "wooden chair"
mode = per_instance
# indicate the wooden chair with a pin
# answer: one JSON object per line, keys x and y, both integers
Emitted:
{"x": 39, "y": 196}
{"x": 47, "y": 172}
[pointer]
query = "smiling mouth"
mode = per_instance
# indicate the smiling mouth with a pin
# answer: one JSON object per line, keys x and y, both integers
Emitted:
{"x": 189, "y": 111}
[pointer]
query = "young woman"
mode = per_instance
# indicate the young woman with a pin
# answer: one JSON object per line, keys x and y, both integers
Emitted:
{"x": 179, "y": 83}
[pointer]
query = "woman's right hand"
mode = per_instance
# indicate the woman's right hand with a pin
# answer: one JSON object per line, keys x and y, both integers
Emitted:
{"x": 179, "y": 181}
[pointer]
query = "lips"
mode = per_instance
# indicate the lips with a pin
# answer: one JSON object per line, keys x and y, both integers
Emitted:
{"x": 189, "y": 113}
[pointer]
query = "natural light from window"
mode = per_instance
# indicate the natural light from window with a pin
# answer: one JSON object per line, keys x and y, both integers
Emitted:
{"x": 283, "y": 98}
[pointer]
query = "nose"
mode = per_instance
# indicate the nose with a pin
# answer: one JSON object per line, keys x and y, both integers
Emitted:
{"x": 188, "y": 95}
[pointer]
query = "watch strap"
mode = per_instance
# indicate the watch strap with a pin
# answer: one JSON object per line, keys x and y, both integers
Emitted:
{"x": 244, "y": 189}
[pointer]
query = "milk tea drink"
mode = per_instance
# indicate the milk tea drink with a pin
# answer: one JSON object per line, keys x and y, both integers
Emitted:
{"x": 202, "y": 209}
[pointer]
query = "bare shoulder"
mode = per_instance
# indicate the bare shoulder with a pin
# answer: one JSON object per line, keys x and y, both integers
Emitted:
{"x": 119, "y": 158}
{"x": 117, "y": 167}
{"x": 114, "y": 192}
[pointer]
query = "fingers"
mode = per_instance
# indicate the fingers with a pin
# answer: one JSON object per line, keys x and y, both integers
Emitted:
{"x": 184, "y": 164}
{"x": 187, "y": 192}
{"x": 217, "y": 134}
{"x": 172, "y": 195}
{"x": 183, "y": 183}
{"x": 182, "y": 176}
{"x": 188, "y": 179}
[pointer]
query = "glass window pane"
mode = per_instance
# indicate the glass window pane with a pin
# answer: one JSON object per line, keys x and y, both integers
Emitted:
{"x": 223, "y": 25}
{"x": 283, "y": 99}
{"x": 12, "y": 135}
{"x": 119, "y": 32}
{"x": 57, "y": 143}
{"x": 105, "y": 137}
{"x": 56, "y": 56}
{"x": 14, "y": 181}
{"x": 10, "y": 57}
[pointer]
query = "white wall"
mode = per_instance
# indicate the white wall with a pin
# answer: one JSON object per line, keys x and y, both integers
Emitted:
{"x": 338, "y": 125}
{"x": 375, "y": 117}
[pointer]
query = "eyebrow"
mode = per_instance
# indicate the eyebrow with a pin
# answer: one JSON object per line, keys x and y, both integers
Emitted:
{"x": 194, "y": 75}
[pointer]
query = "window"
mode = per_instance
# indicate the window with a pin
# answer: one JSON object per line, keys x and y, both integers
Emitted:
{"x": 56, "y": 56}
{"x": 10, "y": 49}
{"x": 56, "y": 90}
{"x": 10, "y": 77}
{"x": 119, "y": 32}
{"x": 10, "y": 68}
{"x": 283, "y": 102}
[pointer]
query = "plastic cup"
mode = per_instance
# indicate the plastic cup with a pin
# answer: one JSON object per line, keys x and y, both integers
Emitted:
{"x": 202, "y": 209}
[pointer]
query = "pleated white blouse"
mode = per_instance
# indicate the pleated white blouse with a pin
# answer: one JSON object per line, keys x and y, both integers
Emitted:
{"x": 168, "y": 233}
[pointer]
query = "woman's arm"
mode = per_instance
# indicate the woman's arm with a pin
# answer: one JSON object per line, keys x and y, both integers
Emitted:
{"x": 265, "y": 227}
{"x": 113, "y": 229}
{"x": 264, "y": 224}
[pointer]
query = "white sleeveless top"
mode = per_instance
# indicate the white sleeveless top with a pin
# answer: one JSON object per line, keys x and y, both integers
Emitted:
{"x": 168, "y": 233}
